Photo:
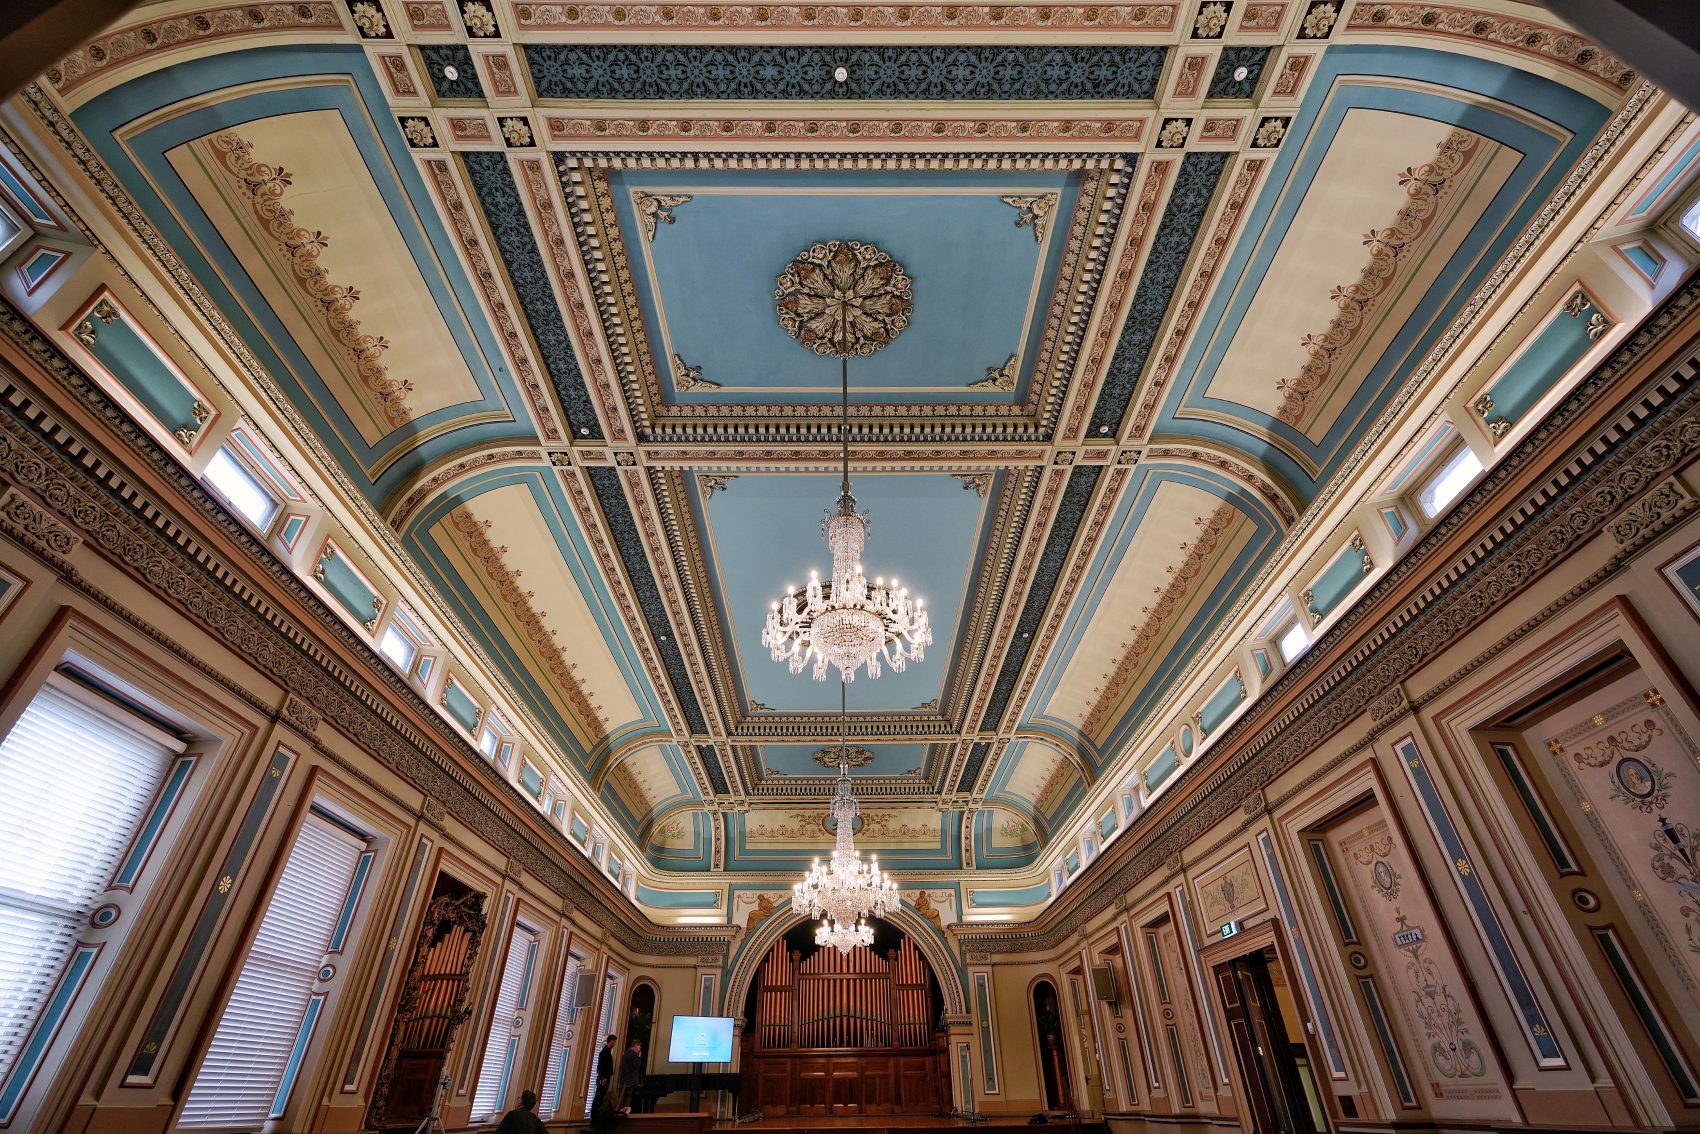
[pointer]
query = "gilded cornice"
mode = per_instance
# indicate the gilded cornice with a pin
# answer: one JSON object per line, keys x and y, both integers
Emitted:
{"x": 1442, "y": 594}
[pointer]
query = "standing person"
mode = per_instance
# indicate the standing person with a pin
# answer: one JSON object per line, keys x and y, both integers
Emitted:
{"x": 631, "y": 1074}
{"x": 522, "y": 1119}
{"x": 604, "y": 1069}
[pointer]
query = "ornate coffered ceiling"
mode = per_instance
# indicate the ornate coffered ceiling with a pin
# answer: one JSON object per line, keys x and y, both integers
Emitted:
{"x": 506, "y": 276}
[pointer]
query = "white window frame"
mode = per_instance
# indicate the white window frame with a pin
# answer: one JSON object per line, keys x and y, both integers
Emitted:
{"x": 260, "y": 987}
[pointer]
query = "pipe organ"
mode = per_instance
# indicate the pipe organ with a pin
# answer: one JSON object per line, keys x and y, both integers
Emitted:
{"x": 839, "y": 1033}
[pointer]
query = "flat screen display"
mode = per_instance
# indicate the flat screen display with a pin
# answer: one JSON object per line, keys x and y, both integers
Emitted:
{"x": 701, "y": 1039}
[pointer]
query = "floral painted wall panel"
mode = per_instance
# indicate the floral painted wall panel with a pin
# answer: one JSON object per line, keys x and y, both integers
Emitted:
{"x": 1630, "y": 768}
{"x": 1443, "y": 1033}
{"x": 1181, "y": 1015}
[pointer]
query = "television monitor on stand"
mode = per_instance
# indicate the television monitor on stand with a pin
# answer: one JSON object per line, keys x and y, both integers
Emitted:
{"x": 697, "y": 1040}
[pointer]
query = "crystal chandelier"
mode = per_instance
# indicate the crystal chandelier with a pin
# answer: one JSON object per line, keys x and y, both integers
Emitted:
{"x": 860, "y": 293}
{"x": 845, "y": 889}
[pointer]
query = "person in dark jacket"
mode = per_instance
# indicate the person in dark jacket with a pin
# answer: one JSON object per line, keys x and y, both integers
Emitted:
{"x": 605, "y": 1068}
{"x": 631, "y": 1074}
{"x": 522, "y": 1119}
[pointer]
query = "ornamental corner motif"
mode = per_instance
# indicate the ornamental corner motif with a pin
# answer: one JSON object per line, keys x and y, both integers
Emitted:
{"x": 35, "y": 528}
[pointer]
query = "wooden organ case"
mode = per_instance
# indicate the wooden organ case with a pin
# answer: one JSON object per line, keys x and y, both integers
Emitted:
{"x": 841, "y": 1033}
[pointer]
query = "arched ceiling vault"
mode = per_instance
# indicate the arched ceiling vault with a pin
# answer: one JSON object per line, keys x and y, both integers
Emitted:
{"x": 507, "y": 277}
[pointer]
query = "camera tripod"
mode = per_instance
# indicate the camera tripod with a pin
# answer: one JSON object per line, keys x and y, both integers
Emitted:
{"x": 432, "y": 1123}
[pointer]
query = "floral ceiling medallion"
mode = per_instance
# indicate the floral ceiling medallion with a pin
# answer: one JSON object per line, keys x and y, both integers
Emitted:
{"x": 844, "y": 298}
{"x": 848, "y": 755}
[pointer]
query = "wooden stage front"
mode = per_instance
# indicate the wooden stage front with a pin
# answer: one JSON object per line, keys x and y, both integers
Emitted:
{"x": 675, "y": 1122}
{"x": 892, "y": 1124}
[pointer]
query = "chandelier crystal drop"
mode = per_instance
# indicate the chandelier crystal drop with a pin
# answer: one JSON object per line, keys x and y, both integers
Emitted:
{"x": 846, "y": 622}
{"x": 845, "y": 889}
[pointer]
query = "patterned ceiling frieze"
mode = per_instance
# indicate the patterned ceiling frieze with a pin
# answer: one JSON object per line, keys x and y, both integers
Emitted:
{"x": 531, "y": 620}
{"x": 1582, "y": 174}
{"x": 135, "y": 42}
{"x": 144, "y": 539}
{"x": 265, "y": 186}
{"x": 616, "y": 127}
{"x": 1611, "y": 471}
{"x": 446, "y": 188}
{"x": 692, "y": 72}
{"x": 818, "y": 458}
{"x": 498, "y": 197}
{"x": 711, "y": 767}
{"x": 611, "y": 495}
{"x": 1425, "y": 185}
{"x": 1545, "y": 43}
{"x": 1171, "y": 248}
{"x": 1115, "y": 293}
{"x": 604, "y": 249}
{"x": 568, "y": 277}
{"x": 1204, "y": 273}
{"x": 1107, "y": 19}
{"x": 1071, "y": 510}
{"x": 610, "y": 558}
{"x": 1195, "y": 554}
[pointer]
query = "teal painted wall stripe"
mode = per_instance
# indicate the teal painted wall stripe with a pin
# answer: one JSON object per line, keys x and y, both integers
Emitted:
{"x": 1535, "y": 1027}
{"x": 1676, "y": 170}
{"x": 525, "y": 976}
{"x": 351, "y": 1076}
{"x": 1562, "y": 859}
{"x": 168, "y": 795}
{"x": 1383, "y": 1033}
{"x": 189, "y": 964}
{"x": 1313, "y": 993}
{"x": 350, "y": 901}
{"x": 1348, "y": 931}
{"x": 23, "y": 198}
{"x": 297, "y": 1051}
{"x": 41, "y": 1036}
{"x": 1669, "y": 1053}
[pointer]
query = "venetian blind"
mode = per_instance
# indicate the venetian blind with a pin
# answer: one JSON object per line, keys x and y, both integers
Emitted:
{"x": 499, "y": 1047}
{"x": 610, "y": 989}
{"x": 560, "y": 1041}
{"x": 77, "y": 775}
{"x": 241, "y": 1080}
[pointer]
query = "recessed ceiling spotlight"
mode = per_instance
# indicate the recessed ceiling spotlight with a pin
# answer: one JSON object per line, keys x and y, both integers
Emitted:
{"x": 584, "y": 431}
{"x": 1103, "y": 429}
{"x": 841, "y": 74}
{"x": 451, "y": 72}
{"x": 1241, "y": 74}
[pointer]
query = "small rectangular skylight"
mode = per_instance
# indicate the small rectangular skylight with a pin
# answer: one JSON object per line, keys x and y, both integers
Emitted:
{"x": 398, "y": 647}
{"x": 1448, "y": 482}
{"x": 242, "y": 489}
{"x": 1292, "y": 642}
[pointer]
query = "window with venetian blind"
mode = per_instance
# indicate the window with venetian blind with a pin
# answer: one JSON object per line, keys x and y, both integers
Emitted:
{"x": 560, "y": 1041}
{"x": 77, "y": 774}
{"x": 269, "y": 1020}
{"x": 503, "y": 1041}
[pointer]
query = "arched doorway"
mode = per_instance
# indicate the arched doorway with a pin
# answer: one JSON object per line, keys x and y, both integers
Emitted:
{"x": 1053, "y": 1052}
{"x": 845, "y": 1033}
{"x": 640, "y": 1025}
